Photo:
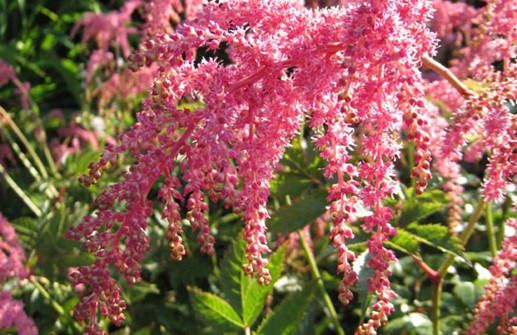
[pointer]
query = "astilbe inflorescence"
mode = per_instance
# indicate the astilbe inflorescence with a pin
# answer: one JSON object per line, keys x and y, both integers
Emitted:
{"x": 350, "y": 73}
{"x": 482, "y": 113}
{"x": 498, "y": 302}
{"x": 8, "y": 74}
{"x": 12, "y": 259}
{"x": 339, "y": 69}
{"x": 107, "y": 77}
{"x": 347, "y": 72}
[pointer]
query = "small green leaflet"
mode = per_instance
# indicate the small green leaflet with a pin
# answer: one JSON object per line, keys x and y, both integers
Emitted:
{"x": 216, "y": 311}
{"x": 434, "y": 235}
{"x": 285, "y": 318}
{"x": 420, "y": 207}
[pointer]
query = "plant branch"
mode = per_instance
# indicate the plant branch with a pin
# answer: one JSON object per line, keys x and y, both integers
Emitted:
{"x": 431, "y": 64}
{"x": 442, "y": 271}
{"x": 25, "y": 198}
{"x": 23, "y": 139}
{"x": 463, "y": 238}
{"x": 435, "y": 309}
{"x": 492, "y": 244}
{"x": 431, "y": 273}
{"x": 321, "y": 287}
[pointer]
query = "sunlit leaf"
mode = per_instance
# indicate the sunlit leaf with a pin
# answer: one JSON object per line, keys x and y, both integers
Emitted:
{"x": 253, "y": 294}
{"x": 231, "y": 268}
{"x": 422, "y": 206}
{"x": 216, "y": 311}
{"x": 364, "y": 272}
{"x": 437, "y": 236}
{"x": 286, "y": 317}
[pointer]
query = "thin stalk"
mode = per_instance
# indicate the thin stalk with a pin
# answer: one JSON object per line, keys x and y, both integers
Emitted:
{"x": 50, "y": 191}
{"x": 431, "y": 64}
{"x": 48, "y": 157}
{"x": 46, "y": 295}
{"x": 442, "y": 271}
{"x": 317, "y": 275}
{"x": 25, "y": 198}
{"x": 23, "y": 139}
{"x": 411, "y": 162}
{"x": 492, "y": 244}
{"x": 464, "y": 236}
{"x": 435, "y": 311}
{"x": 23, "y": 157}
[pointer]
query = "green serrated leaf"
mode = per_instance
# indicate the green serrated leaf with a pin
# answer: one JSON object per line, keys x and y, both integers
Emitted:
{"x": 409, "y": 239}
{"x": 420, "y": 207}
{"x": 26, "y": 228}
{"x": 307, "y": 208}
{"x": 231, "y": 268}
{"x": 302, "y": 157}
{"x": 437, "y": 236}
{"x": 405, "y": 242}
{"x": 289, "y": 183}
{"x": 216, "y": 311}
{"x": 285, "y": 318}
{"x": 364, "y": 272}
{"x": 253, "y": 294}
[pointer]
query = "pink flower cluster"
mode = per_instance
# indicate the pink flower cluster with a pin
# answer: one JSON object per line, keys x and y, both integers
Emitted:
{"x": 500, "y": 297}
{"x": 111, "y": 32}
{"x": 484, "y": 113}
{"x": 70, "y": 138}
{"x": 7, "y": 74}
{"x": 350, "y": 73}
{"x": 12, "y": 259}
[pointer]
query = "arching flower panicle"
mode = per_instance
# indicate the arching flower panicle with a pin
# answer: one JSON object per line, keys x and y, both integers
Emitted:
{"x": 348, "y": 71}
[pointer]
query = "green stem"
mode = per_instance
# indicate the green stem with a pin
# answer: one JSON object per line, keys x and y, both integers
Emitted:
{"x": 435, "y": 312}
{"x": 23, "y": 157}
{"x": 411, "y": 162}
{"x": 47, "y": 296}
{"x": 464, "y": 236}
{"x": 317, "y": 275}
{"x": 492, "y": 244}
{"x": 23, "y": 139}
{"x": 442, "y": 271}
{"x": 25, "y": 198}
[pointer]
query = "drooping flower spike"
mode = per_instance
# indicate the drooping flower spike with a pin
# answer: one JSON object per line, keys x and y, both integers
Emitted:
{"x": 351, "y": 74}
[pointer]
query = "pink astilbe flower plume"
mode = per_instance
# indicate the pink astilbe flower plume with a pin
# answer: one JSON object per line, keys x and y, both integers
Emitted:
{"x": 500, "y": 298}
{"x": 482, "y": 122}
{"x": 8, "y": 74}
{"x": 109, "y": 30}
{"x": 12, "y": 259}
{"x": 344, "y": 71}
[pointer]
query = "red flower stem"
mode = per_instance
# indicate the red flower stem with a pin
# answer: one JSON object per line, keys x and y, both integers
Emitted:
{"x": 248, "y": 80}
{"x": 173, "y": 152}
{"x": 433, "y": 275}
{"x": 431, "y": 64}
